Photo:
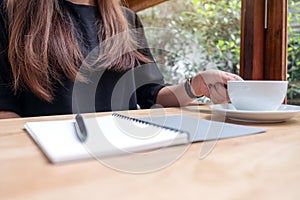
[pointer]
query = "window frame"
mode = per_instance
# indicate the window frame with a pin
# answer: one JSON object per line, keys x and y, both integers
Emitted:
{"x": 264, "y": 39}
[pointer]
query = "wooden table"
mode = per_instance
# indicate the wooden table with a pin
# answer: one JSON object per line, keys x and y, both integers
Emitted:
{"x": 262, "y": 166}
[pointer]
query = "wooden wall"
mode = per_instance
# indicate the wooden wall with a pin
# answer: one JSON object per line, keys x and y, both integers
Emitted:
{"x": 138, "y": 5}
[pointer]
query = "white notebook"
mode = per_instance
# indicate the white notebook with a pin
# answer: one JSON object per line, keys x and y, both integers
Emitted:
{"x": 118, "y": 135}
{"x": 107, "y": 136}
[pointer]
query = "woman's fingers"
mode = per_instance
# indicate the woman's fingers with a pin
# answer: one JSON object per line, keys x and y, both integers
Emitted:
{"x": 213, "y": 84}
{"x": 229, "y": 77}
{"x": 218, "y": 93}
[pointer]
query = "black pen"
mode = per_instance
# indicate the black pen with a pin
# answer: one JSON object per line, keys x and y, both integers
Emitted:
{"x": 80, "y": 128}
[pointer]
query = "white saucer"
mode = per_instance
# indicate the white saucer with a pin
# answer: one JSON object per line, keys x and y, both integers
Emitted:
{"x": 283, "y": 113}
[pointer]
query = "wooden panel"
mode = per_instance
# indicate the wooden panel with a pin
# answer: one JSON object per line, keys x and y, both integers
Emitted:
{"x": 252, "y": 40}
{"x": 264, "y": 50}
{"x": 137, "y": 5}
{"x": 276, "y": 41}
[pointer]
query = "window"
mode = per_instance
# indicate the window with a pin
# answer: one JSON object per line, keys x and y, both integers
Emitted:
{"x": 194, "y": 35}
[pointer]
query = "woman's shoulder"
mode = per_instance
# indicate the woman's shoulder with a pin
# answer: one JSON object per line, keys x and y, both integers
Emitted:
{"x": 127, "y": 11}
{"x": 132, "y": 17}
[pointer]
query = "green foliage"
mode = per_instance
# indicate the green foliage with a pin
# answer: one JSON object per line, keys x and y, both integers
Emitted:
{"x": 294, "y": 52}
{"x": 205, "y": 34}
{"x": 217, "y": 26}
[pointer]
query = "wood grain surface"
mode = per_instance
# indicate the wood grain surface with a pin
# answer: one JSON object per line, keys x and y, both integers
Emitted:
{"x": 263, "y": 166}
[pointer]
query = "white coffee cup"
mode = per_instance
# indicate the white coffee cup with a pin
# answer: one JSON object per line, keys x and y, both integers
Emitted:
{"x": 257, "y": 95}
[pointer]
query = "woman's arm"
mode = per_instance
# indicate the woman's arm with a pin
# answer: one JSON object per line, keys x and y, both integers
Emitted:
{"x": 6, "y": 115}
{"x": 210, "y": 83}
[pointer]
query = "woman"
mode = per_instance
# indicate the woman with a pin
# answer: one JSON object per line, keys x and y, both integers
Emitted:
{"x": 43, "y": 44}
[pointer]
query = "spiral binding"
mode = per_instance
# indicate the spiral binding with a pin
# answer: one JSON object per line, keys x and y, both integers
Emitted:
{"x": 149, "y": 123}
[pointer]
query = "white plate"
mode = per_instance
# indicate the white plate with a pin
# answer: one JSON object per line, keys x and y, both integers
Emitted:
{"x": 284, "y": 113}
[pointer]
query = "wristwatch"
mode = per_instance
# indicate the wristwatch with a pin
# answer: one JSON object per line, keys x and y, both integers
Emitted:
{"x": 187, "y": 87}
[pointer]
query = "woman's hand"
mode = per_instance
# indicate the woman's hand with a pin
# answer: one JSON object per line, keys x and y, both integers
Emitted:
{"x": 213, "y": 84}
{"x": 210, "y": 83}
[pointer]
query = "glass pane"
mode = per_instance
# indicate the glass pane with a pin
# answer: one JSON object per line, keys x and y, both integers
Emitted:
{"x": 195, "y": 35}
{"x": 294, "y": 52}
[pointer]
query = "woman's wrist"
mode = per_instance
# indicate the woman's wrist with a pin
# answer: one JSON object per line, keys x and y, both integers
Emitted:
{"x": 191, "y": 88}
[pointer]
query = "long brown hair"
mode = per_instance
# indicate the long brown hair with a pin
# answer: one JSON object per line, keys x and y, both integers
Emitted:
{"x": 43, "y": 48}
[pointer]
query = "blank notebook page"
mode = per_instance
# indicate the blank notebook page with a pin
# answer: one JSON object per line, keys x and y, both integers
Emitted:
{"x": 58, "y": 140}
